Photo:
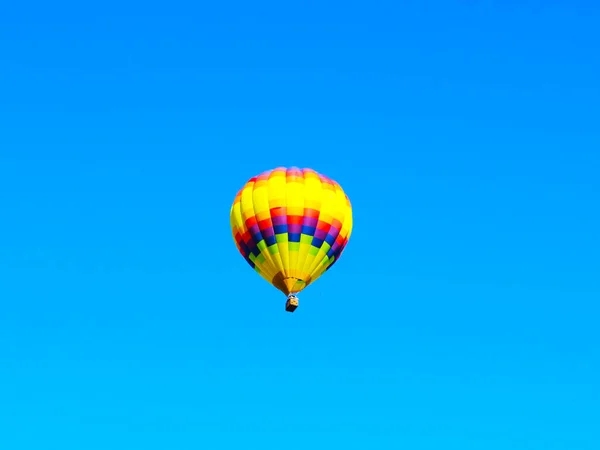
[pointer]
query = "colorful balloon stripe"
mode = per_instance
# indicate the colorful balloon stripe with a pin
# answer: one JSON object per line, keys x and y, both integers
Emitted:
{"x": 291, "y": 225}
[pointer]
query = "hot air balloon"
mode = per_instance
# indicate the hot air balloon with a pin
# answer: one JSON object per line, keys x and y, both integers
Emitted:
{"x": 291, "y": 225}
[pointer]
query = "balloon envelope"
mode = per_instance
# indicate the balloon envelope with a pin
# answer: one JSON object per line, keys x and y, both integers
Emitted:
{"x": 291, "y": 225}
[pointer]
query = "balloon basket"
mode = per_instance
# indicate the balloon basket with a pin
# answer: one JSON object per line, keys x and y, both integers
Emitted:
{"x": 291, "y": 304}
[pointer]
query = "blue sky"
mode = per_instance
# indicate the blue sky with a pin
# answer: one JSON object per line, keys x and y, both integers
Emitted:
{"x": 463, "y": 313}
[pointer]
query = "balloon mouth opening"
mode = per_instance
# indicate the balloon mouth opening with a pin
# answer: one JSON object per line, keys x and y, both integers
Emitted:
{"x": 289, "y": 285}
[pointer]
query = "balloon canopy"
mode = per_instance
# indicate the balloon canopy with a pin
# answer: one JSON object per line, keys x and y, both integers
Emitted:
{"x": 291, "y": 225}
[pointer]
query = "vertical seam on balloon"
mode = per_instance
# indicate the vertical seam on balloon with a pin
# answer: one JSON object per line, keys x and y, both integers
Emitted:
{"x": 316, "y": 266}
{"x": 243, "y": 223}
{"x": 262, "y": 238}
{"x": 286, "y": 267}
{"x": 287, "y": 221}
{"x": 311, "y": 268}
{"x": 235, "y": 227}
{"x": 305, "y": 219}
{"x": 260, "y": 268}
{"x": 280, "y": 266}
{"x": 279, "y": 245}
{"x": 302, "y": 196}
{"x": 305, "y": 266}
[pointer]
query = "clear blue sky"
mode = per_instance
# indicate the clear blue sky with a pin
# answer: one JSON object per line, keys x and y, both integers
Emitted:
{"x": 464, "y": 312}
